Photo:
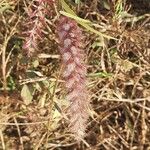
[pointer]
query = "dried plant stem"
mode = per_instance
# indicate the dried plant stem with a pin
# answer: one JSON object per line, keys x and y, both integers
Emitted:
{"x": 4, "y": 65}
{"x": 2, "y": 140}
{"x": 5, "y": 58}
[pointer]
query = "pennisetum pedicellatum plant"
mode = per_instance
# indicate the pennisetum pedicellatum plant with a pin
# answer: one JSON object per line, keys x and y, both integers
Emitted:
{"x": 74, "y": 74}
{"x": 36, "y": 21}
{"x": 72, "y": 53}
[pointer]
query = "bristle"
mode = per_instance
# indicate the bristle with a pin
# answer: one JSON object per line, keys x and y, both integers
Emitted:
{"x": 70, "y": 38}
{"x": 35, "y": 24}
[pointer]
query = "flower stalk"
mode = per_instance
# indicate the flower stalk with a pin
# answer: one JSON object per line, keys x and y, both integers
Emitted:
{"x": 36, "y": 21}
{"x": 74, "y": 74}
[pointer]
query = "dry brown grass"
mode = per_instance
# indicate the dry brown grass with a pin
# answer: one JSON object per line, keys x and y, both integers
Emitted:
{"x": 118, "y": 75}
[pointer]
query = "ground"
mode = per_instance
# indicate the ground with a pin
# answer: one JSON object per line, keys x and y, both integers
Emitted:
{"x": 32, "y": 96}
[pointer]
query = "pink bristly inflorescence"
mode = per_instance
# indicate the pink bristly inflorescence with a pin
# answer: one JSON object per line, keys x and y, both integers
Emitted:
{"x": 74, "y": 74}
{"x": 36, "y": 22}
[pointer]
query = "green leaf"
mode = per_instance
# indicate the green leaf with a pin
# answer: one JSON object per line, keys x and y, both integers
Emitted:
{"x": 95, "y": 31}
{"x": 11, "y": 83}
{"x": 71, "y": 13}
{"x": 106, "y": 5}
{"x": 77, "y": 1}
{"x": 74, "y": 17}
{"x": 26, "y": 94}
{"x": 100, "y": 74}
{"x": 67, "y": 8}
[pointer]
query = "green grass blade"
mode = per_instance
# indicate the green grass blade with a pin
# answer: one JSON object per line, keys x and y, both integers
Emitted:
{"x": 75, "y": 17}
{"x": 70, "y": 13}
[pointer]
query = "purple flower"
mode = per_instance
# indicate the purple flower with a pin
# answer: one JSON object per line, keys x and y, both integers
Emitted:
{"x": 36, "y": 22}
{"x": 72, "y": 53}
